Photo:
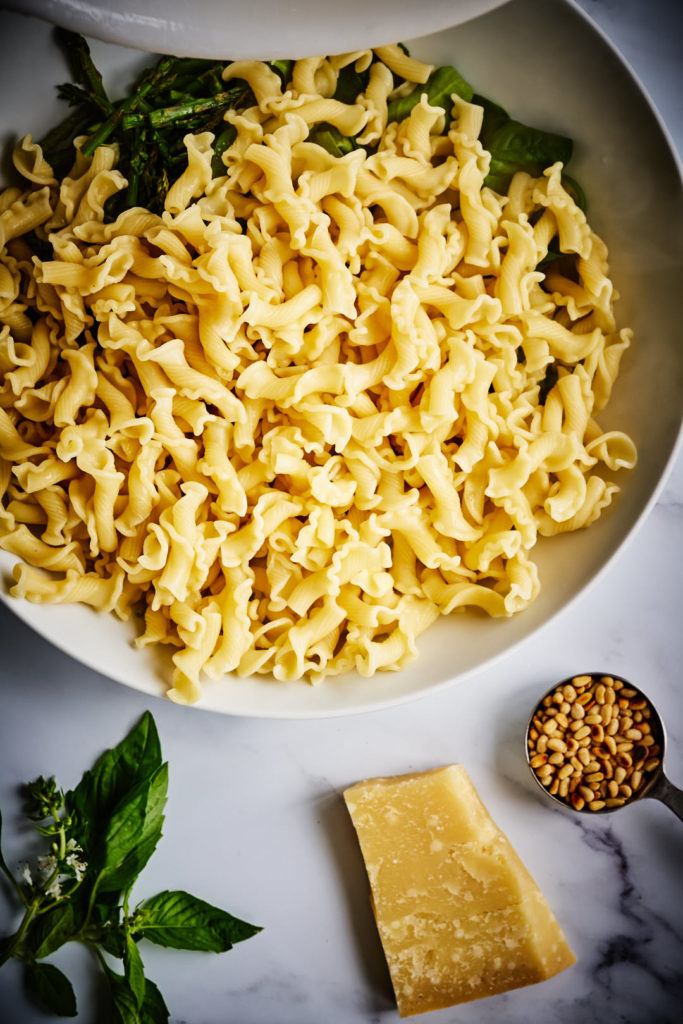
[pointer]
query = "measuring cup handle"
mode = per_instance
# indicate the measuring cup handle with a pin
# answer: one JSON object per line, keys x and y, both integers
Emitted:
{"x": 669, "y": 794}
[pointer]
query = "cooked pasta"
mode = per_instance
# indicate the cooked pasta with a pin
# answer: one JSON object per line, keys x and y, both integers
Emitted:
{"x": 318, "y": 401}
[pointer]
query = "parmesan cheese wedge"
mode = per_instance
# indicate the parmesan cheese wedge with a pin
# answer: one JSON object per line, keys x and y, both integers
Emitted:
{"x": 458, "y": 914}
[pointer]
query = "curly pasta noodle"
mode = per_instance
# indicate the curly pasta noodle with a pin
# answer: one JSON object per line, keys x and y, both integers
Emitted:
{"x": 299, "y": 415}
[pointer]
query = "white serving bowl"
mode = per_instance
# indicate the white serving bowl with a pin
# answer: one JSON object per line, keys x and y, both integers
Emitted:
{"x": 259, "y": 29}
{"x": 549, "y": 66}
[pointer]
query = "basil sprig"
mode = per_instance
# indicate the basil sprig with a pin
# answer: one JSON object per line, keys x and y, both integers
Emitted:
{"x": 101, "y": 835}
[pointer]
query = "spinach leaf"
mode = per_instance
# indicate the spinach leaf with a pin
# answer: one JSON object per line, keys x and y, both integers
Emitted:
{"x": 182, "y": 921}
{"x": 517, "y": 147}
{"x": 331, "y": 139}
{"x": 548, "y": 383}
{"x": 350, "y": 84}
{"x": 439, "y": 88}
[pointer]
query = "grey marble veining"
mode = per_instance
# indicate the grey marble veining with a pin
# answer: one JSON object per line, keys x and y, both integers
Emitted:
{"x": 276, "y": 845}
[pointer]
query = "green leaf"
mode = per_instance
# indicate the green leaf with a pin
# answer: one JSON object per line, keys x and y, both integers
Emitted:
{"x": 134, "y": 970}
{"x": 154, "y": 1009}
{"x": 223, "y": 141}
{"x": 182, "y": 921}
{"x": 283, "y": 69}
{"x": 548, "y": 383}
{"x": 350, "y": 84}
{"x": 132, "y": 833}
{"x": 331, "y": 139}
{"x": 52, "y": 989}
{"x": 439, "y": 89}
{"x": 53, "y": 928}
{"x": 124, "y": 1006}
{"x": 114, "y": 775}
{"x": 517, "y": 147}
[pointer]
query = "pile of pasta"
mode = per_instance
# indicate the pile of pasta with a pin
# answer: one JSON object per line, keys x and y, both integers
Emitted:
{"x": 300, "y": 414}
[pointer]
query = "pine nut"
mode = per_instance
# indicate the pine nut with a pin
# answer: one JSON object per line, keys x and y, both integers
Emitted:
{"x": 590, "y": 743}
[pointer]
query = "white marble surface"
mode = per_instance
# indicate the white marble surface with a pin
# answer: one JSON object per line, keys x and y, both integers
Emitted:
{"x": 256, "y": 822}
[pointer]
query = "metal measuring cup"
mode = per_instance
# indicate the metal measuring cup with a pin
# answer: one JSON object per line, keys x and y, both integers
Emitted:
{"x": 592, "y": 774}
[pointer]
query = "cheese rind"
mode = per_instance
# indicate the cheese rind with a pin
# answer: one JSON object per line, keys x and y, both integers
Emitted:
{"x": 458, "y": 914}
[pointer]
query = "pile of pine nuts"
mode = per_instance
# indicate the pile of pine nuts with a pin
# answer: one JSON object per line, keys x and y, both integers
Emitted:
{"x": 591, "y": 742}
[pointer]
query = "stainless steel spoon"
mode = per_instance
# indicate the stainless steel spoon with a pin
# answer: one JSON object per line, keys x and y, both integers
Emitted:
{"x": 654, "y": 785}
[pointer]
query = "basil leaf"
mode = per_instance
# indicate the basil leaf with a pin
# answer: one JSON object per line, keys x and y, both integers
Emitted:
{"x": 52, "y": 989}
{"x": 438, "y": 88}
{"x": 125, "y": 1009}
{"x": 154, "y": 1009}
{"x": 132, "y": 833}
{"x": 55, "y": 927}
{"x": 134, "y": 970}
{"x": 181, "y": 921}
{"x": 517, "y": 147}
{"x": 114, "y": 774}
